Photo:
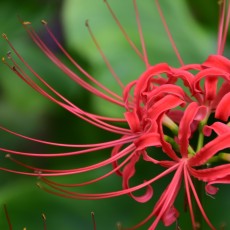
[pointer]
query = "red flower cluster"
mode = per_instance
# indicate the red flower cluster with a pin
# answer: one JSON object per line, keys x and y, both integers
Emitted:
{"x": 165, "y": 108}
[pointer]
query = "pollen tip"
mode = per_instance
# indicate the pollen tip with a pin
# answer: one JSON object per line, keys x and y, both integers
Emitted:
{"x": 39, "y": 173}
{"x": 9, "y": 55}
{"x": 8, "y": 156}
{"x": 87, "y": 22}
{"x": 24, "y": 228}
{"x": 25, "y": 23}
{"x": 220, "y": 2}
{"x": 39, "y": 185}
{"x": 119, "y": 226}
{"x": 43, "y": 216}
{"x": 44, "y": 22}
{"x": 3, "y": 59}
{"x": 4, "y": 36}
{"x": 94, "y": 222}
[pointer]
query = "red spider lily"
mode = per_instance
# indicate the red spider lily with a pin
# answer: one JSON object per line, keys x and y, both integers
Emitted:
{"x": 154, "y": 104}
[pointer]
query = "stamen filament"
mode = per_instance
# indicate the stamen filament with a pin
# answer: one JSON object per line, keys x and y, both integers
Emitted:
{"x": 77, "y": 65}
{"x": 103, "y": 56}
{"x": 124, "y": 32}
{"x": 141, "y": 35}
{"x": 169, "y": 33}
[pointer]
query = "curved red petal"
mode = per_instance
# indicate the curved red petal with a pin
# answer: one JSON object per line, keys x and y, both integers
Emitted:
{"x": 211, "y": 174}
{"x": 218, "y": 127}
{"x": 224, "y": 89}
{"x": 223, "y": 108}
{"x": 147, "y": 140}
{"x": 210, "y": 189}
{"x": 217, "y": 61}
{"x": 133, "y": 121}
{"x": 210, "y": 149}
{"x": 192, "y": 112}
{"x": 128, "y": 173}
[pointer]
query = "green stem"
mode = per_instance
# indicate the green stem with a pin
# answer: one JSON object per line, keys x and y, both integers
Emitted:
{"x": 200, "y": 141}
{"x": 176, "y": 147}
{"x": 201, "y": 135}
{"x": 221, "y": 157}
{"x": 171, "y": 141}
{"x": 169, "y": 123}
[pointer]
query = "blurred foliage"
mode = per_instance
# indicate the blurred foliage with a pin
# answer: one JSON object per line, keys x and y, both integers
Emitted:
{"x": 206, "y": 16}
{"x": 24, "y": 111}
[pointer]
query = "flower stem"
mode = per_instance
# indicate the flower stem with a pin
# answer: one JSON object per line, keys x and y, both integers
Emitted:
{"x": 169, "y": 123}
{"x": 200, "y": 142}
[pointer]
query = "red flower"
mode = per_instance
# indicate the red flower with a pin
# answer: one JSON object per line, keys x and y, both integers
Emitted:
{"x": 160, "y": 113}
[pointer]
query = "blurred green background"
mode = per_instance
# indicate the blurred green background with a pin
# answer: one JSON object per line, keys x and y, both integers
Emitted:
{"x": 194, "y": 28}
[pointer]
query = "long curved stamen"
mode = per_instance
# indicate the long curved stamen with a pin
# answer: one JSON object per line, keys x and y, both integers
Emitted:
{"x": 103, "y": 56}
{"x": 71, "y": 194}
{"x": 141, "y": 35}
{"x": 95, "y": 147}
{"x": 155, "y": 105}
{"x": 168, "y": 197}
{"x": 7, "y": 217}
{"x": 91, "y": 181}
{"x": 188, "y": 196}
{"x": 71, "y": 107}
{"x": 77, "y": 111}
{"x": 62, "y": 66}
{"x": 94, "y": 222}
{"x": 56, "y": 172}
{"x": 169, "y": 33}
{"x": 199, "y": 203}
{"x": 225, "y": 30}
{"x": 124, "y": 32}
{"x": 221, "y": 26}
{"x": 109, "y": 143}
{"x": 167, "y": 171}
{"x": 44, "y": 221}
{"x": 79, "y": 67}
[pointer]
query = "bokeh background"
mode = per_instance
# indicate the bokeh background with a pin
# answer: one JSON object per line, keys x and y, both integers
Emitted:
{"x": 194, "y": 27}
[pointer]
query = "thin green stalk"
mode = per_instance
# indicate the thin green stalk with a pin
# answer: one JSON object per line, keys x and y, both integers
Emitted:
{"x": 200, "y": 142}
{"x": 170, "y": 124}
{"x": 176, "y": 147}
